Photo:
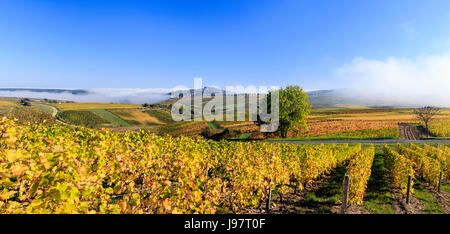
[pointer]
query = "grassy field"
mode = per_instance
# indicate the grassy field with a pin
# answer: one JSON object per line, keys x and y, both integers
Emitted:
{"x": 328, "y": 138}
{"x": 136, "y": 117}
{"x": 88, "y": 106}
{"x": 214, "y": 126}
{"x": 113, "y": 119}
{"x": 244, "y": 136}
{"x": 83, "y": 118}
{"x": 354, "y": 122}
{"x": 358, "y": 123}
{"x": 42, "y": 107}
{"x": 378, "y": 199}
{"x": 161, "y": 115}
{"x": 361, "y": 123}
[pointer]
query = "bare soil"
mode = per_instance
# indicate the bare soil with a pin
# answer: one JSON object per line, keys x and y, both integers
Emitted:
{"x": 407, "y": 132}
{"x": 414, "y": 206}
{"x": 353, "y": 209}
{"x": 291, "y": 202}
{"x": 411, "y": 132}
{"x": 296, "y": 203}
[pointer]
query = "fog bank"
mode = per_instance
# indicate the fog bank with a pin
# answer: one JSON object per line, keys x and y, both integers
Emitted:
{"x": 418, "y": 82}
{"x": 133, "y": 96}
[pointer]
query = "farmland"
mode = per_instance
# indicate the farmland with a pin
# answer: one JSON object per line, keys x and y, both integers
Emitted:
{"x": 343, "y": 123}
{"x": 441, "y": 128}
{"x": 83, "y": 118}
{"x": 121, "y": 115}
{"x": 125, "y": 172}
{"x": 126, "y": 141}
{"x": 110, "y": 117}
{"x": 162, "y": 115}
{"x": 30, "y": 115}
{"x": 117, "y": 114}
{"x": 361, "y": 123}
{"x": 6, "y": 104}
{"x": 225, "y": 116}
{"x": 136, "y": 117}
{"x": 88, "y": 106}
{"x": 302, "y": 178}
{"x": 181, "y": 129}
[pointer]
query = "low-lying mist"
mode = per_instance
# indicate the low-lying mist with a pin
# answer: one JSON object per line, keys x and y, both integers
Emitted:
{"x": 399, "y": 81}
{"x": 133, "y": 96}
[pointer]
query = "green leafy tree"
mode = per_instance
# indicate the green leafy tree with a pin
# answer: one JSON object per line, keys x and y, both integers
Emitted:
{"x": 294, "y": 109}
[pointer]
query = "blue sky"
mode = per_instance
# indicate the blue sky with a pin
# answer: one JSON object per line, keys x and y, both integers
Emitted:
{"x": 162, "y": 44}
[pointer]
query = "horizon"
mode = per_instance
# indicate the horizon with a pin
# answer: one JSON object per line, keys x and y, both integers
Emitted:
{"x": 118, "y": 95}
{"x": 340, "y": 97}
{"x": 319, "y": 45}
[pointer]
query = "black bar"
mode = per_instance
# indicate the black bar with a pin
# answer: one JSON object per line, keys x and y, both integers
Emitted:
{"x": 180, "y": 223}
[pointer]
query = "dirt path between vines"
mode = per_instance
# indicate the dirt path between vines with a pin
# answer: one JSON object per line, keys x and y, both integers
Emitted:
{"x": 407, "y": 132}
{"x": 322, "y": 196}
{"x": 442, "y": 198}
{"x": 401, "y": 207}
{"x": 291, "y": 203}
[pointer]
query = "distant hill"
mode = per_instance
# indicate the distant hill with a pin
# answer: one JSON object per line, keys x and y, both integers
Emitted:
{"x": 196, "y": 92}
{"x": 318, "y": 98}
{"x": 329, "y": 99}
{"x": 332, "y": 98}
{"x": 115, "y": 95}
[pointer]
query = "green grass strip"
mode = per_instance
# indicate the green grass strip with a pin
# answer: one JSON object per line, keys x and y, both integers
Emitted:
{"x": 244, "y": 136}
{"x": 326, "y": 196}
{"x": 431, "y": 206}
{"x": 445, "y": 187}
{"x": 161, "y": 115}
{"x": 214, "y": 126}
{"x": 113, "y": 119}
{"x": 378, "y": 199}
{"x": 43, "y": 107}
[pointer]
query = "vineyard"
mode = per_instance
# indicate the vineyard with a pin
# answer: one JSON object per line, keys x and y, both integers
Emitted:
{"x": 136, "y": 117}
{"x": 64, "y": 169}
{"x": 89, "y": 106}
{"x": 30, "y": 115}
{"x": 441, "y": 128}
{"x": 82, "y": 118}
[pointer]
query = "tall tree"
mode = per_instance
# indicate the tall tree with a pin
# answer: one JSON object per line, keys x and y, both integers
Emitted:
{"x": 294, "y": 109}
